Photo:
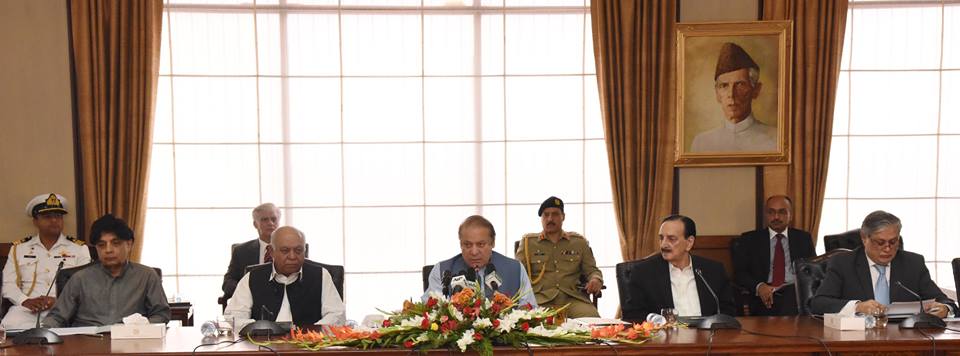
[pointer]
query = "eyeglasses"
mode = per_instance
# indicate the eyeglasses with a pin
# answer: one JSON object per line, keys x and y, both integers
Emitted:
{"x": 884, "y": 243}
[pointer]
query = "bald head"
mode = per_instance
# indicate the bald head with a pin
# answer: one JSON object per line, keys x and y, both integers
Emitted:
{"x": 778, "y": 212}
{"x": 288, "y": 245}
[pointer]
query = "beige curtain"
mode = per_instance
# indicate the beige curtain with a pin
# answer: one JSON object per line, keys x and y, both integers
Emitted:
{"x": 818, "y": 30}
{"x": 634, "y": 50}
{"x": 115, "y": 47}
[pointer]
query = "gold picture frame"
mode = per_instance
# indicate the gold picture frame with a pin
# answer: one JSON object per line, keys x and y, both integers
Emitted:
{"x": 742, "y": 115}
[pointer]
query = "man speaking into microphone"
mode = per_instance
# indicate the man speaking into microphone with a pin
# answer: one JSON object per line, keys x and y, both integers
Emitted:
{"x": 479, "y": 264}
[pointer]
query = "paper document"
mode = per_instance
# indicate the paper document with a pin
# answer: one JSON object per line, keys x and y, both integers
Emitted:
{"x": 905, "y": 308}
{"x": 81, "y": 330}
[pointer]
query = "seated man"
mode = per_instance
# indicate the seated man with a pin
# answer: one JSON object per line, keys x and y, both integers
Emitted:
{"x": 113, "y": 287}
{"x": 668, "y": 280}
{"x": 33, "y": 262}
{"x": 477, "y": 238}
{"x": 763, "y": 262}
{"x": 265, "y": 219}
{"x": 288, "y": 289}
{"x": 569, "y": 258}
{"x": 868, "y": 277}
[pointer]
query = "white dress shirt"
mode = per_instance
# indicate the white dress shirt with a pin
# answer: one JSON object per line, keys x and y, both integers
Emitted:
{"x": 334, "y": 311}
{"x": 683, "y": 286}
{"x": 263, "y": 250}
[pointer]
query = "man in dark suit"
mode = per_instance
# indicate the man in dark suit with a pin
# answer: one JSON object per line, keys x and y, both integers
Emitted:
{"x": 870, "y": 276}
{"x": 669, "y": 279}
{"x": 763, "y": 259}
{"x": 265, "y": 219}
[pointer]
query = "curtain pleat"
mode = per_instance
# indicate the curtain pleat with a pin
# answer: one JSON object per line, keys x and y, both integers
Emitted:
{"x": 115, "y": 47}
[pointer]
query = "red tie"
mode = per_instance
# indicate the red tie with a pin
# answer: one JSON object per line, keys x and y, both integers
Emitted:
{"x": 268, "y": 254}
{"x": 778, "y": 262}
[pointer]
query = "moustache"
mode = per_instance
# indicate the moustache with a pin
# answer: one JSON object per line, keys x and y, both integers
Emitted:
{"x": 666, "y": 250}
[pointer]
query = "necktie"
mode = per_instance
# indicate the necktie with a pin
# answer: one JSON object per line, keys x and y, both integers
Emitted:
{"x": 779, "y": 271}
{"x": 268, "y": 254}
{"x": 881, "y": 290}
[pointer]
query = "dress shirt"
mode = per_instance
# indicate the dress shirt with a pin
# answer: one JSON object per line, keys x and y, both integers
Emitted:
{"x": 789, "y": 275}
{"x": 263, "y": 250}
{"x": 683, "y": 286}
{"x": 526, "y": 290}
{"x": 748, "y": 135}
{"x": 334, "y": 311}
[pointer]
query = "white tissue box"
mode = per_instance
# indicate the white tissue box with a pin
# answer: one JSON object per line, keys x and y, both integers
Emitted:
{"x": 843, "y": 322}
{"x": 138, "y": 331}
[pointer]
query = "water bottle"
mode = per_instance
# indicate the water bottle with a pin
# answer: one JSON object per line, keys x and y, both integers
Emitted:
{"x": 209, "y": 329}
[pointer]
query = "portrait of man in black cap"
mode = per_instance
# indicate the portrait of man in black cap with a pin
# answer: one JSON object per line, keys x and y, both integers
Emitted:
{"x": 737, "y": 84}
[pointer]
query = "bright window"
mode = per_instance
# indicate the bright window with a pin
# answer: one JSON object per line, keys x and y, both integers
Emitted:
{"x": 896, "y": 129}
{"x": 377, "y": 127}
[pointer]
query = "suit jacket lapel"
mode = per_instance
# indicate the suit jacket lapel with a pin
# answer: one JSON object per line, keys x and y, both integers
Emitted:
{"x": 794, "y": 242}
{"x": 664, "y": 282}
{"x": 763, "y": 254}
{"x": 863, "y": 272}
{"x": 897, "y": 293}
{"x": 706, "y": 300}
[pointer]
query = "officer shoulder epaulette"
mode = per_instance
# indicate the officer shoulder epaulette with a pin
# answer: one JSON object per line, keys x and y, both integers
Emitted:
{"x": 574, "y": 234}
{"x": 23, "y": 240}
{"x": 76, "y": 240}
{"x": 531, "y": 234}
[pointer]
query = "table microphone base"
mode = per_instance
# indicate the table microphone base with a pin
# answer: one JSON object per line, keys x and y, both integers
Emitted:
{"x": 263, "y": 328}
{"x": 37, "y": 336}
{"x": 922, "y": 321}
{"x": 718, "y": 321}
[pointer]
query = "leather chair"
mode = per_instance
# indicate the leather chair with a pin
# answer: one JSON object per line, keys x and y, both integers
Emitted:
{"x": 623, "y": 271}
{"x": 956, "y": 273}
{"x": 810, "y": 272}
{"x": 336, "y": 274}
{"x": 425, "y": 271}
{"x": 742, "y": 297}
{"x": 583, "y": 279}
{"x": 849, "y": 240}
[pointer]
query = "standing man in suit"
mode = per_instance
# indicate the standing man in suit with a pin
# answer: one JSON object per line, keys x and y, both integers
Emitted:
{"x": 763, "y": 259}
{"x": 869, "y": 276}
{"x": 669, "y": 279}
{"x": 266, "y": 218}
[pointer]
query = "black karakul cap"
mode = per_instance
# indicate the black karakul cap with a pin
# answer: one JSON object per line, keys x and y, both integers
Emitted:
{"x": 551, "y": 202}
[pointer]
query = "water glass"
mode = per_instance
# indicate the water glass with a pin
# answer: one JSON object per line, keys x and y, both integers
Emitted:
{"x": 670, "y": 314}
{"x": 225, "y": 325}
{"x": 880, "y": 317}
{"x": 3, "y": 335}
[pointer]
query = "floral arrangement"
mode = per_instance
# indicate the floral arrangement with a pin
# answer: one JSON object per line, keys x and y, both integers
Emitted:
{"x": 469, "y": 321}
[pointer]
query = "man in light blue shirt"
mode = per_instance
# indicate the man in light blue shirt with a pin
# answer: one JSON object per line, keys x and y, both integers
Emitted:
{"x": 493, "y": 271}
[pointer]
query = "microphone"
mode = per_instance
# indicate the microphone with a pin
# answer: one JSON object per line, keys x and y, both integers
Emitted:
{"x": 38, "y": 335}
{"x": 445, "y": 281}
{"x": 264, "y": 327}
{"x": 921, "y": 319}
{"x": 263, "y": 309}
{"x": 472, "y": 275}
{"x": 491, "y": 279}
{"x": 717, "y": 320}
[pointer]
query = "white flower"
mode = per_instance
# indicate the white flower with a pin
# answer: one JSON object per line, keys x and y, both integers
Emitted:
{"x": 465, "y": 340}
{"x": 456, "y": 313}
{"x": 487, "y": 303}
{"x": 482, "y": 323}
{"x": 574, "y": 326}
{"x": 423, "y": 337}
{"x": 542, "y": 331}
{"x": 506, "y": 325}
{"x": 438, "y": 296}
{"x": 412, "y": 322}
{"x": 434, "y": 315}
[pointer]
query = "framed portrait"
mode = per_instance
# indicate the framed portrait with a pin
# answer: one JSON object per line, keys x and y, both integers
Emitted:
{"x": 733, "y": 93}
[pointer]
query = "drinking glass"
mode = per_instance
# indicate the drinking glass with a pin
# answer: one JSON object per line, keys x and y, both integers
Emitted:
{"x": 670, "y": 314}
{"x": 880, "y": 317}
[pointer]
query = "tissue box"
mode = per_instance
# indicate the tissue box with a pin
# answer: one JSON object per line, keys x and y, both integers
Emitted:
{"x": 141, "y": 331}
{"x": 842, "y": 322}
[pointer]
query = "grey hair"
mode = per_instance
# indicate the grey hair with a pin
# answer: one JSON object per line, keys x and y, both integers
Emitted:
{"x": 878, "y": 220}
{"x": 265, "y": 207}
{"x": 754, "y": 74}
{"x": 299, "y": 233}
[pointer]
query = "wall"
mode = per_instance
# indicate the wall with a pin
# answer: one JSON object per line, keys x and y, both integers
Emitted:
{"x": 722, "y": 200}
{"x": 36, "y": 136}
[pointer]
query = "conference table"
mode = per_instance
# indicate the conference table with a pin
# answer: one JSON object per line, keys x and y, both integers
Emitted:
{"x": 786, "y": 335}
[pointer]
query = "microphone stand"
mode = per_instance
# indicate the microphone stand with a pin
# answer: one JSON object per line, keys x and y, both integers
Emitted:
{"x": 718, "y": 320}
{"x": 39, "y": 335}
{"x": 263, "y": 327}
{"x": 922, "y": 319}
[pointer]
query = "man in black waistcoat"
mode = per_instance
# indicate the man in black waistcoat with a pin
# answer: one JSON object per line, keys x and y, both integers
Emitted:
{"x": 289, "y": 289}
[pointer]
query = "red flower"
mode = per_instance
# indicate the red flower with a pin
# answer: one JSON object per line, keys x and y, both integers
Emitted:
{"x": 431, "y": 302}
{"x": 550, "y": 320}
{"x": 386, "y": 323}
{"x": 467, "y": 311}
{"x": 425, "y": 324}
{"x": 478, "y": 336}
{"x": 477, "y": 303}
{"x": 525, "y": 326}
{"x": 496, "y": 323}
{"x": 408, "y": 344}
{"x": 495, "y": 308}
{"x": 528, "y": 306}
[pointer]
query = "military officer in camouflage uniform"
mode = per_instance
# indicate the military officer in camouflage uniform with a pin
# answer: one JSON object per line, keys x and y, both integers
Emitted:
{"x": 556, "y": 260}
{"x": 33, "y": 261}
